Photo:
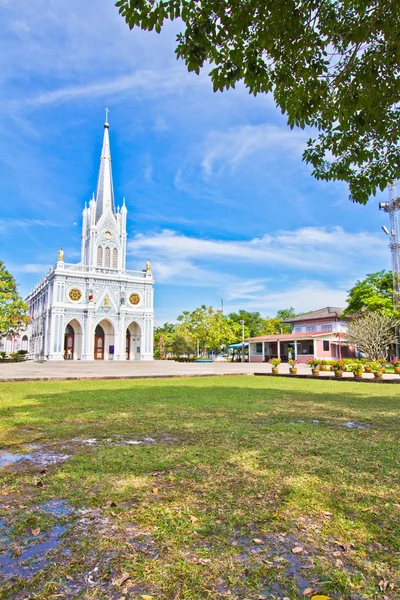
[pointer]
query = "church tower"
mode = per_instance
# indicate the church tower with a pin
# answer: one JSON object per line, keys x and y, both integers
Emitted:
{"x": 96, "y": 309}
{"x": 103, "y": 227}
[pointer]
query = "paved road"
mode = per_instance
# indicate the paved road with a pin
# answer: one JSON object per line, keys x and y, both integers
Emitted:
{"x": 31, "y": 370}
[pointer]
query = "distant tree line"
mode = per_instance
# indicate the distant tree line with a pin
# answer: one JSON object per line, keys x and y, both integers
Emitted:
{"x": 206, "y": 330}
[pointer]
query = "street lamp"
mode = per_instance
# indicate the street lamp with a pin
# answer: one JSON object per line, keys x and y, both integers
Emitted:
{"x": 242, "y": 322}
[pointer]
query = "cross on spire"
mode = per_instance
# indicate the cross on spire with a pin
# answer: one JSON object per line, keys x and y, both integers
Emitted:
{"x": 107, "y": 111}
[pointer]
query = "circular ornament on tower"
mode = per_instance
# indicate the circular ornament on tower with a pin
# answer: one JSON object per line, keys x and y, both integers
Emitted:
{"x": 107, "y": 234}
{"x": 134, "y": 299}
{"x": 75, "y": 295}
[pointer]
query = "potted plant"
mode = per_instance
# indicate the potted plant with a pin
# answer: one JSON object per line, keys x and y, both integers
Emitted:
{"x": 355, "y": 367}
{"x": 314, "y": 364}
{"x": 365, "y": 362}
{"x": 323, "y": 365}
{"x": 376, "y": 368}
{"x": 338, "y": 366}
{"x": 293, "y": 366}
{"x": 396, "y": 365}
{"x": 383, "y": 365}
{"x": 275, "y": 362}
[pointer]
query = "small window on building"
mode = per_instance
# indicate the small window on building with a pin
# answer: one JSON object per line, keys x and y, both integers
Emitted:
{"x": 326, "y": 346}
{"x": 107, "y": 258}
{"x": 99, "y": 256}
{"x": 326, "y": 328}
{"x": 115, "y": 259}
{"x": 297, "y": 329}
{"x": 311, "y": 328}
{"x": 259, "y": 348}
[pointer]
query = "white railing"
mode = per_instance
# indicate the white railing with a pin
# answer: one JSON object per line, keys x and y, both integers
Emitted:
{"x": 85, "y": 269}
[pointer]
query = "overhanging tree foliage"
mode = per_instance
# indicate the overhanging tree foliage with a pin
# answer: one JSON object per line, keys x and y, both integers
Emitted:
{"x": 13, "y": 317}
{"x": 374, "y": 293}
{"x": 331, "y": 64}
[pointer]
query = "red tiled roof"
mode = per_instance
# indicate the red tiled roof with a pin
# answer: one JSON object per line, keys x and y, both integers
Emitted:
{"x": 323, "y": 313}
{"x": 288, "y": 336}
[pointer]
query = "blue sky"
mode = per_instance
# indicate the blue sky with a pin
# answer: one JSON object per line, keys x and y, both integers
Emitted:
{"x": 218, "y": 197}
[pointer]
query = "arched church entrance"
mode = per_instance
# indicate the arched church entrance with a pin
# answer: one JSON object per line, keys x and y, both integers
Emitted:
{"x": 133, "y": 341}
{"x": 73, "y": 341}
{"x": 104, "y": 341}
{"x": 25, "y": 343}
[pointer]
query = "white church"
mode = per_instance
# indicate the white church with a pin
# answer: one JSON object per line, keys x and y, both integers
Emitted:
{"x": 96, "y": 309}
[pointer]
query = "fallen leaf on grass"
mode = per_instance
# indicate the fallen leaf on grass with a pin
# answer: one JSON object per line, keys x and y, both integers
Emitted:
{"x": 308, "y": 592}
{"x": 124, "y": 577}
{"x": 383, "y": 584}
{"x": 155, "y": 491}
{"x": 201, "y": 561}
{"x": 193, "y": 519}
{"x": 39, "y": 484}
{"x": 320, "y": 597}
{"x": 35, "y": 532}
{"x": 258, "y": 542}
{"x": 297, "y": 550}
{"x": 145, "y": 597}
{"x": 269, "y": 563}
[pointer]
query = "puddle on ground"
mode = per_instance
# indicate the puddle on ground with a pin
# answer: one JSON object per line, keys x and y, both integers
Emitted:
{"x": 32, "y": 559}
{"x": 146, "y": 440}
{"x": 39, "y": 457}
{"x": 6, "y": 458}
{"x": 141, "y": 542}
{"x": 56, "y": 508}
{"x": 355, "y": 425}
{"x": 276, "y": 548}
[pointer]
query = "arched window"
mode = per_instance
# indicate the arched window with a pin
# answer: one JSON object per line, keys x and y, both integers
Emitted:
{"x": 115, "y": 259}
{"x": 99, "y": 331}
{"x": 107, "y": 258}
{"x": 99, "y": 256}
{"x": 24, "y": 345}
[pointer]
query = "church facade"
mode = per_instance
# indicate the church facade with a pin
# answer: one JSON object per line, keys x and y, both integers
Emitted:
{"x": 95, "y": 309}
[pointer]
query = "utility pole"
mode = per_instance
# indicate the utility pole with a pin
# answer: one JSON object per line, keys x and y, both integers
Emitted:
{"x": 242, "y": 322}
{"x": 392, "y": 207}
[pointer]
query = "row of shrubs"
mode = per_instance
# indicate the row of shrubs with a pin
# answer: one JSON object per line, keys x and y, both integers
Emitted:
{"x": 352, "y": 365}
{"x": 19, "y": 356}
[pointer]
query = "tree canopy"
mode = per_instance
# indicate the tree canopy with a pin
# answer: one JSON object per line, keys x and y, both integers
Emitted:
{"x": 209, "y": 328}
{"x": 373, "y": 333}
{"x": 253, "y": 321}
{"x": 331, "y": 65}
{"x": 13, "y": 317}
{"x": 374, "y": 293}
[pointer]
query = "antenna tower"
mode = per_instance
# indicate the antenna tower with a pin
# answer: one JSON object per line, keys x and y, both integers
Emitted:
{"x": 392, "y": 207}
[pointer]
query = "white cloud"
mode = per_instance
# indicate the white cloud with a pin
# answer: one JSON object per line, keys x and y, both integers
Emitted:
{"x": 309, "y": 248}
{"x": 30, "y": 268}
{"x": 233, "y": 147}
{"x": 306, "y": 295}
{"x": 166, "y": 81}
{"x": 7, "y": 225}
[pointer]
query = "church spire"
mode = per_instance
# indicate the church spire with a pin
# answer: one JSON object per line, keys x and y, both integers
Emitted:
{"x": 105, "y": 192}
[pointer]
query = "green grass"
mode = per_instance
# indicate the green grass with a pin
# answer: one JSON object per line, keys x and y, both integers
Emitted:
{"x": 234, "y": 459}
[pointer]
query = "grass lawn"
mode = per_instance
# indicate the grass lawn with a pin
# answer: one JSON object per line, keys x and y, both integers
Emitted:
{"x": 211, "y": 488}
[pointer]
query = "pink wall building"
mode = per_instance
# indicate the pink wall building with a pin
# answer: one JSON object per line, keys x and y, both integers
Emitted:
{"x": 317, "y": 334}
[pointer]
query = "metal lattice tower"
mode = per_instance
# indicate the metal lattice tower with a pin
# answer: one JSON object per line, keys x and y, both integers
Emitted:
{"x": 392, "y": 207}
